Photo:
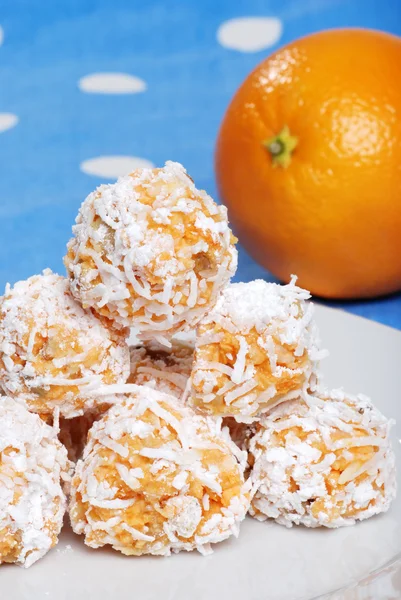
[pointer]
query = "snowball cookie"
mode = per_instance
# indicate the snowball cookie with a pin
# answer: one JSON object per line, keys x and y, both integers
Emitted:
{"x": 257, "y": 347}
{"x": 165, "y": 369}
{"x": 32, "y": 503}
{"x": 323, "y": 460}
{"x": 156, "y": 478}
{"x": 151, "y": 252}
{"x": 53, "y": 354}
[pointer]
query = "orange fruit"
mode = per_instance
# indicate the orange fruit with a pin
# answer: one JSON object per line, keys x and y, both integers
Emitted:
{"x": 308, "y": 162}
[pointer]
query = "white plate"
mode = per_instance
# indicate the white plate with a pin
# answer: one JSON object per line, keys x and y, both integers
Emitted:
{"x": 267, "y": 562}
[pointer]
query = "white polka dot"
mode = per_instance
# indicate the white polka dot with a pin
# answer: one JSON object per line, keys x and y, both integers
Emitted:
{"x": 113, "y": 166}
{"x": 7, "y": 120}
{"x": 1, "y": 35}
{"x": 111, "y": 83}
{"x": 250, "y": 34}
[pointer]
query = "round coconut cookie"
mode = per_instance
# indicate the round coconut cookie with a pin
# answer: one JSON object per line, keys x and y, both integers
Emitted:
{"x": 156, "y": 478}
{"x": 33, "y": 464}
{"x": 257, "y": 347}
{"x": 151, "y": 252}
{"x": 164, "y": 369}
{"x": 324, "y": 460}
{"x": 53, "y": 353}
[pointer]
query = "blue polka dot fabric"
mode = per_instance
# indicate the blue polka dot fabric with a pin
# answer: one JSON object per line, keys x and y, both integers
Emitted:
{"x": 92, "y": 88}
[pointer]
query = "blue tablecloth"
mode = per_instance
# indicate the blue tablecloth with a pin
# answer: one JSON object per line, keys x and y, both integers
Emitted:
{"x": 129, "y": 80}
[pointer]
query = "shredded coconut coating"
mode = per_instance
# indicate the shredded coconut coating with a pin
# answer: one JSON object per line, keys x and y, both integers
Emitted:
{"x": 53, "y": 353}
{"x": 32, "y": 503}
{"x": 257, "y": 347}
{"x": 151, "y": 252}
{"x": 156, "y": 478}
{"x": 325, "y": 460}
{"x": 164, "y": 369}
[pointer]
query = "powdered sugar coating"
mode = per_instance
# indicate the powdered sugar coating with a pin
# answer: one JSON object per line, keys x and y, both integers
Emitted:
{"x": 32, "y": 503}
{"x": 257, "y": 347}
{"x": 164, "y": 369}
{"x": 53, "y": 353}
{"x": 324, "y": 460}
{"x": 156, "y": 478}
{"x": 151, "y": 251}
